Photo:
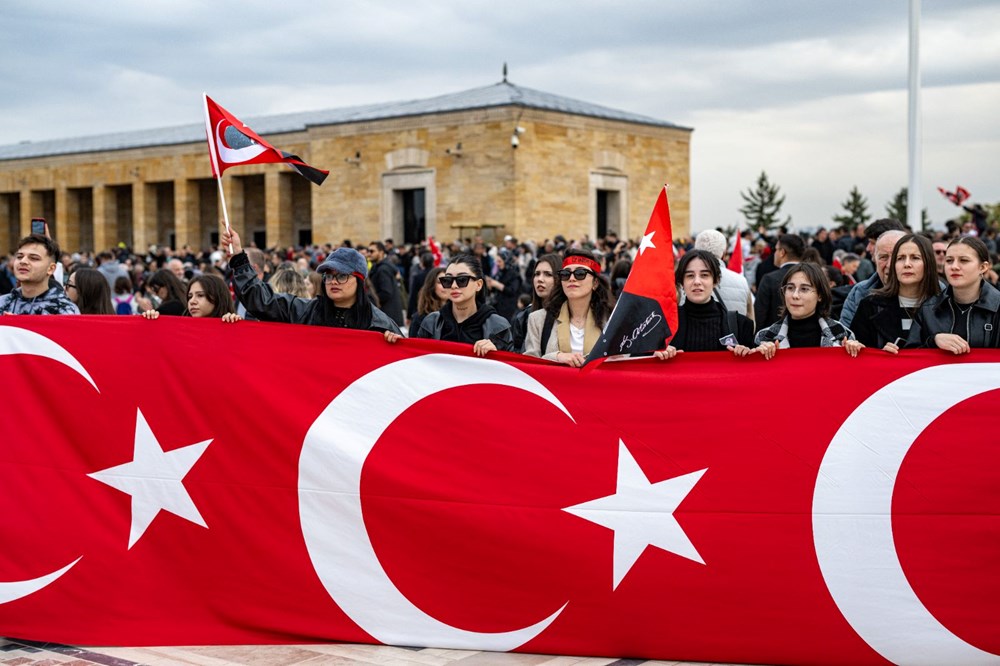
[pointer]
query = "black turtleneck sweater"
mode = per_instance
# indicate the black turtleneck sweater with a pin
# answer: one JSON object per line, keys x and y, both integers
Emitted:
{"x": 699, "y": 327}
{"x": 804, "y": 332}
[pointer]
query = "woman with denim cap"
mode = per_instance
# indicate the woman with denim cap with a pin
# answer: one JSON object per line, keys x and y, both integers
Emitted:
{"x": 343, "y": 303}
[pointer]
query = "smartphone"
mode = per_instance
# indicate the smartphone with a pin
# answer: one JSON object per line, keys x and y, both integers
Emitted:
{"x": 38, "y": 225}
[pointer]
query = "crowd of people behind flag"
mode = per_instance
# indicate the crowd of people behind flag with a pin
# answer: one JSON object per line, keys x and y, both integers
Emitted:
{"x": 879, "y": 286}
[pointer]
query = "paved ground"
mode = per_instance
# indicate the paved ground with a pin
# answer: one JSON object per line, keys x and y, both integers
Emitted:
{"x": 26, "y": 653}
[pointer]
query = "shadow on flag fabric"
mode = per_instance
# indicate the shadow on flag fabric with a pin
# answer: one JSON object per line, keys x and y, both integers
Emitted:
{"x": 231, "y": 143}
{"x": 645, "y": 316}
{"x": 957, "y": 197}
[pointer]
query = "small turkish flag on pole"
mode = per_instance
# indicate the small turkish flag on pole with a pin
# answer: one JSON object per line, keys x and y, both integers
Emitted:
{"x": 645, "y": 316}
{"x": 736, "y": 258}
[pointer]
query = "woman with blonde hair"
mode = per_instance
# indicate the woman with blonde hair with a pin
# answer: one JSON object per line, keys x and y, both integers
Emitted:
{"x": 289, "y": 281}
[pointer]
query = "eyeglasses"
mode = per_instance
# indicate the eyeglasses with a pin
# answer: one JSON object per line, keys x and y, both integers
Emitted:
{"x": 461, "y": 280}
{"x": 578, "y": 273}
{"x": 804, "y": 289}
{"x": 70, "y": 285}
{"x": 339, "y": 278}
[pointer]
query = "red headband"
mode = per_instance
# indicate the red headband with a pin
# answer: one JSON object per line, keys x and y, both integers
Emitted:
{"x": 576, "y": 259}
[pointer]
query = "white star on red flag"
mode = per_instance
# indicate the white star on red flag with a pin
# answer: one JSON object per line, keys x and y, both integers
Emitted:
{"x": 155, "y": 480}
{"x": 646, "y": 242}
{"x": 641, "y": 514}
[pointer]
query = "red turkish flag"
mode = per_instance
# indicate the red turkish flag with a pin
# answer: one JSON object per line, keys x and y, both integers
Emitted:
{"x": 232, "y": 143}
{"x": 390, "y": 495}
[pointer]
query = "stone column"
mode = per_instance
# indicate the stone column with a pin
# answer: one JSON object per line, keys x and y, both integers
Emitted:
{"x": 105, "y": 217}
{"x": 186, "y": 230}
{"x": 68, "y": 214}
{"x": 278, "y": 208}
{"x": 27, "y": 212}
{"x": 143, "y": 216}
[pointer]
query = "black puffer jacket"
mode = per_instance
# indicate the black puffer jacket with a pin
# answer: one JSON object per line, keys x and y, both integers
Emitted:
{"x": 939, "y": 315}
{"x": 484, "y": 324}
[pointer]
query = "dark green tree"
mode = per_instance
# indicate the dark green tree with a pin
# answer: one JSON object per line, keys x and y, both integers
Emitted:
{"x": 896, "y": 209}
{"x": 763, "y": 204}
{"x": 855, "y": 211}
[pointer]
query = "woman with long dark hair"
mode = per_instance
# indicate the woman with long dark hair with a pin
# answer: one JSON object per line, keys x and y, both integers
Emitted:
{"x": 886, "y": 317}
{"x": 208, "y": 296}
{"x": 967, "y": 314}
{"x": 89, "y": 289}
{"x": 466, "y": 317}
{"x": 805, "y": 316}
{"x": 703, "y": 323}
{"x": 343, "y": 302}
{"x": 430, "y": 298}
{"x": 543, "y": 283}
{"x": 169, "y": 292}
{"x": 570, "y": 324}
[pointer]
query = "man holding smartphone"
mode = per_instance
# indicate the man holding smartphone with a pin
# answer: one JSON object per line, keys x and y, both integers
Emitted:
{"x": 34, "y": 263}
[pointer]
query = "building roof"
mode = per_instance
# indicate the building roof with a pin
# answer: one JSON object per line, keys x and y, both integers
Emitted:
{"x": 496, "y": 95}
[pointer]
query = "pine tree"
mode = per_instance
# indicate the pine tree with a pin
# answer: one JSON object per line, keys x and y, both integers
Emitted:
{"x": 856, "y": 208}
{"x": 763, "y": 204}
{"x": 897, "y": 210}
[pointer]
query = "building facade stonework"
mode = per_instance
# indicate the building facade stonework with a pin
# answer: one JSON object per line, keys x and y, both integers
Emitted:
{"x": 445, "y": 167}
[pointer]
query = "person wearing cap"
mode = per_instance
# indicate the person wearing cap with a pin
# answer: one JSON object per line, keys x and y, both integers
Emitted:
{"x": 343, "y": 302}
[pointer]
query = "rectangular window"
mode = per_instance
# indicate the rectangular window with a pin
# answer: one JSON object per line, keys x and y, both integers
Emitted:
{"x": 602, "y": 213}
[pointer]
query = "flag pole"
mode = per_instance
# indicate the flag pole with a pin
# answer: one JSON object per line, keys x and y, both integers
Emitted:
{"x": 225, "y": 213}
{"x": 914, "y": 216}
{"x": 216, "y": 171}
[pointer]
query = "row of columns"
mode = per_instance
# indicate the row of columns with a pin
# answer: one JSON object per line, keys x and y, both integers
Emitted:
{"x": 192, "y": 218}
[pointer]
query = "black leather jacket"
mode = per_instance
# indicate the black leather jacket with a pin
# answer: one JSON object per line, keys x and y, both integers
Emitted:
{"x": 939, "y": 314}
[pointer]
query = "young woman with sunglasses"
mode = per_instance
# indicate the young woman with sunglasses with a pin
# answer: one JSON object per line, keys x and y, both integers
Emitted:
{"x": 967, "y": 314}
{"x": 703, "y": 323}
{"x": 805, "y": 316}
{"x": 343, "y": 303}
{"x": 574, "y": 314}
{"x": 466, "y": 317}
{"x": 886, "y": 317}
{"x": 544, "y": 282}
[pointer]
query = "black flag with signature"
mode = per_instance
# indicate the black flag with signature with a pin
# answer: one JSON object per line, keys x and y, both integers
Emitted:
{"x": 645, "y": 316}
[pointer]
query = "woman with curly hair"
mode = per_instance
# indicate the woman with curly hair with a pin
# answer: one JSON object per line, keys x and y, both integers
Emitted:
{"x": 570, "y": 324}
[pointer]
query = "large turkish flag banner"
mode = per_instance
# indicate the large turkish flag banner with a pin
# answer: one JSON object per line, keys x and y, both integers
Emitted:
{"x": 185, "y": 481}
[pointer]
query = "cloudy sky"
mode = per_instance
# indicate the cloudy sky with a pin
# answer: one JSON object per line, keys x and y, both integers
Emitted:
{"x": 811, "y": 91}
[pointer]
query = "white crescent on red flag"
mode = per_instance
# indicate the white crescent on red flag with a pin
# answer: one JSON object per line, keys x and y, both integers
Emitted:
{"x": 156, "y": 491}
{"x": 232, "y": 143}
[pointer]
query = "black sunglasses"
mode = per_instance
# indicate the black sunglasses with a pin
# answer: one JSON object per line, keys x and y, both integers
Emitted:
{"x": 461, "y": 280}
{"x": 578, "y": 273}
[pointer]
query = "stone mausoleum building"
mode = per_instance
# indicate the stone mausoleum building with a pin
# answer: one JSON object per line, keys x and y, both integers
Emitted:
{"x": 496, "y": 160}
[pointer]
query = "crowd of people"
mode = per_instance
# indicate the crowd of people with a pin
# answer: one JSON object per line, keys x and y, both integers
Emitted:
{"x": 879, "y": 286}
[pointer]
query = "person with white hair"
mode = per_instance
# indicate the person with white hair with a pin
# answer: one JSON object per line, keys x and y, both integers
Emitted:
{"x": 733, "y": 288}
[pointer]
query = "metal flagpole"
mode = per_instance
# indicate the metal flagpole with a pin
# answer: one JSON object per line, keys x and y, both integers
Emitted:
{"x": 914, "y": 218}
